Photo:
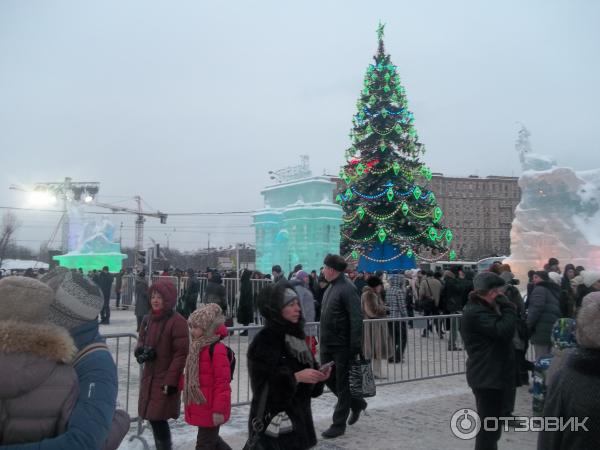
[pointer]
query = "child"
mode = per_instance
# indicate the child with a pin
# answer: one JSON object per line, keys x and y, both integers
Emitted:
{"x": 206, "y": 386}
{"x": 563, "y": 338}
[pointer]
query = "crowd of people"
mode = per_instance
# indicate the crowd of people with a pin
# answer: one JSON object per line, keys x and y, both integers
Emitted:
{"x": 559, "y": 318}
{"x": 184, "y": 361}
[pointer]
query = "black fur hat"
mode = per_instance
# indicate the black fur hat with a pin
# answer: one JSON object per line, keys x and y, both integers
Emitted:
{"x": 336, "y": 262}
{"x": 374, "y": 282}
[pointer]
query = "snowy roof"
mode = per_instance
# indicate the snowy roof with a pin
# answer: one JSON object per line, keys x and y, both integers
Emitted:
{"x": 318, "y": 179}
{"x": 22, "y": 264}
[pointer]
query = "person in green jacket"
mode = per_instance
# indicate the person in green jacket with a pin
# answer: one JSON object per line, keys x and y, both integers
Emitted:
{"x": 487, "y": 329}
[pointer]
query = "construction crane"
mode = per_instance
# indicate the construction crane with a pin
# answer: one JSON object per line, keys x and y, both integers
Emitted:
{"x": 139, "y": 222}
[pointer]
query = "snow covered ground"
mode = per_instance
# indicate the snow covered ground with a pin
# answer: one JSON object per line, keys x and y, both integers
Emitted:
{"x": 407, "y": 415}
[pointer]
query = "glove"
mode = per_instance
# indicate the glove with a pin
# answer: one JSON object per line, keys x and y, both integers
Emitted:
{"x": 218, "y": 419}
{"x": 138, "y": 351}
{"x": 169, "y": 390}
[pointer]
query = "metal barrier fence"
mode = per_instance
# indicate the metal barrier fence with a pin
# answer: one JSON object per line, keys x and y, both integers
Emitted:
{"x": 122, "y": 346}
{"x": 232, "y": 287}
{"x": 424, "y": 357}
{"x": 421, "y": 354}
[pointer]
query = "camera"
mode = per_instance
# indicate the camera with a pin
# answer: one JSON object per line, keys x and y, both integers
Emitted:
{"x": 145, "y": 354}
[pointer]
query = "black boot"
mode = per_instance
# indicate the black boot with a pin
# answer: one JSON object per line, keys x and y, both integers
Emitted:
{"x": 162, "y": 436}
{"x": 355, "y": 415}
{"x": 164, "y": 445}
{"x": 332, "y": 432}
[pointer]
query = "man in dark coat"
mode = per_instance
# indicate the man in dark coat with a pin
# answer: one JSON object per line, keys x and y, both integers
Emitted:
{"x": 341, "y": 341}
{"x": 487, "y": 329}
{"x": 245, "y": 312}
{"x": 105, "y": 280}
{"x": 277, "y": 274}
{"x": 543, "y": 312}
{"x": 119, "y": 287}
{"x": 142, "y": 302}
{"x": 215, "y": 291}
{"x": 451, "y": 301}
{"x": 574, "y": 392}
{"x": 190, "y": 295}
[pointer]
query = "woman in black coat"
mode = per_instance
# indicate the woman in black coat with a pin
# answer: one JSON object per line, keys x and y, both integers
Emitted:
{"x": 279, "y": 360}
{"x": 245, "y": 312}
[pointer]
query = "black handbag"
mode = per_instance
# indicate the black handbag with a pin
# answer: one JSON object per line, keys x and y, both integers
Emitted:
{"x": 361, "y": 379}
{"x": 258, "y": 440}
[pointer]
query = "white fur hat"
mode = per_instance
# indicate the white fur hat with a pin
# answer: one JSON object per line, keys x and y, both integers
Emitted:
{"x": 555, "y": 277}
{"x": 590, "y": 277}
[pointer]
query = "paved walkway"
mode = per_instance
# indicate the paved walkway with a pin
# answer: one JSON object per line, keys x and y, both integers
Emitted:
{"x": 409, "y": 416}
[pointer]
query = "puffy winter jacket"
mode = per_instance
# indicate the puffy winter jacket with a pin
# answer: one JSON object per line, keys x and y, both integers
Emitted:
{"x": 543, "y": 312}
{"x": 168, "y": 334}
{"x": 341, "y": 316}
{"x": 39, "y": 386}
{"x": 92, "y": 416}
{"x": 214, "y": 375}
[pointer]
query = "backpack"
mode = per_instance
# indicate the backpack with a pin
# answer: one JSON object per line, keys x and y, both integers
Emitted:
{"x": 230, "y": 356}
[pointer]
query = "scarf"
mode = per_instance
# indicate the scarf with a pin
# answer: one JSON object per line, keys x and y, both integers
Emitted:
{"x": 299, "y": 350}
{"x": 191, "y": 389}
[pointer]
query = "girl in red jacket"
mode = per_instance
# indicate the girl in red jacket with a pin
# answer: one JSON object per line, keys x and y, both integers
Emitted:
{"x": 206, "y": 386}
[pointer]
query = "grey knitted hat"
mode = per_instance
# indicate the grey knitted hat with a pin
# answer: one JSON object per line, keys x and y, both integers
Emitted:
{"x": 77, "y": 300}
{"x": 24, "y": 299}
{"x": 289, "y": 295}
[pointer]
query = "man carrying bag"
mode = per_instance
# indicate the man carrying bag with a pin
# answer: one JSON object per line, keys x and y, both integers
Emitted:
{"x": 341, "y": 341}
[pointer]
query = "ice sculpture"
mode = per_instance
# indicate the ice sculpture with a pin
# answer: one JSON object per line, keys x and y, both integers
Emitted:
{"x": 300, "y": 224}
{"x": 91, "y": 243}
{"x": 558, "y": 216}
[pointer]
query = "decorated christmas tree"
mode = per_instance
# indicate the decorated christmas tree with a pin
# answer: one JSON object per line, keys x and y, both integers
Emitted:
{"x": 391, "y": 218}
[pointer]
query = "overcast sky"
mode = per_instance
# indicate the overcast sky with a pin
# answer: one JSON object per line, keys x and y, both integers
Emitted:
{"x": 190, "y": 103}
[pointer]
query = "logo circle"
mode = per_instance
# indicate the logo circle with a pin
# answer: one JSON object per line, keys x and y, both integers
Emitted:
{"x": 465, "y": 424}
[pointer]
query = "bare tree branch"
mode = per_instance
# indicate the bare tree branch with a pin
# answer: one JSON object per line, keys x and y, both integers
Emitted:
{"x": 9, "y": 226}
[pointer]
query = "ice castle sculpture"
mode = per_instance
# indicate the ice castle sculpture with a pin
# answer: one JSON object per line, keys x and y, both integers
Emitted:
{"x": 299, "y": 224}
{"x": 91, "y": 243}
{"x": 558, "y": 216}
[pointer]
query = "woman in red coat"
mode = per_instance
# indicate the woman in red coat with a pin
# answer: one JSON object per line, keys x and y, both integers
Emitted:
{"x": 162, "y": 348}
{"x": 206, "y": 388}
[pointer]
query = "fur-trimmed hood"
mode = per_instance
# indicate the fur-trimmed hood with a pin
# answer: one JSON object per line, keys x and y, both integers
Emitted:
{"x": 29, "y": 355}
{"x": 44, "y": 340}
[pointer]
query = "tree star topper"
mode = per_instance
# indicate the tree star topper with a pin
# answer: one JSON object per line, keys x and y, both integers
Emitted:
{"x": 380, "y": 30}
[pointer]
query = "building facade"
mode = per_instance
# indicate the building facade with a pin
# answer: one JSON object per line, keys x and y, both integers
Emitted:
{"x": 480, "y": 212}
{"x": 299, "y": 224}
